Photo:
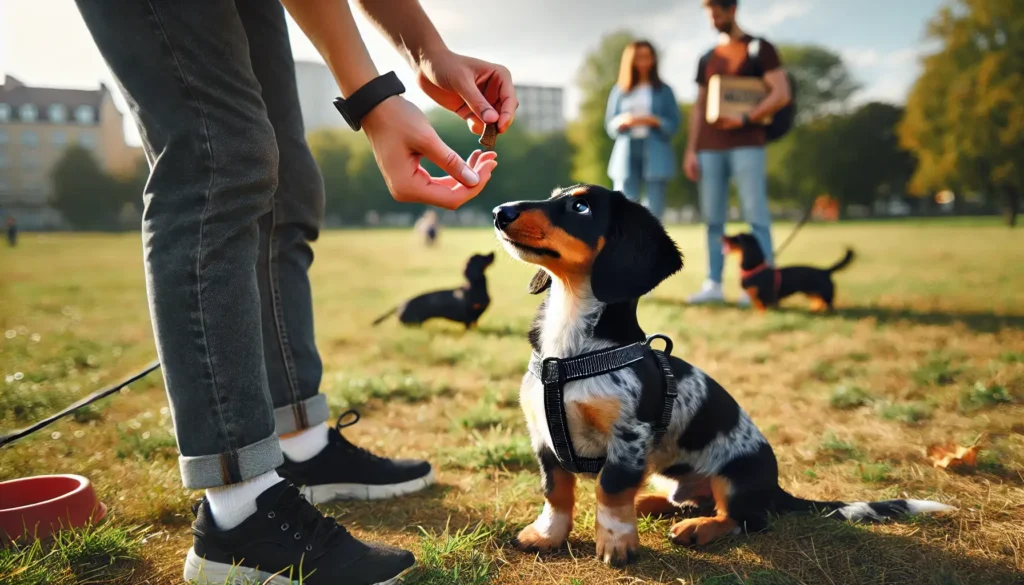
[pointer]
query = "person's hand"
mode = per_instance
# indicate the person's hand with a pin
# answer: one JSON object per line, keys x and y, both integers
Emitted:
{"x": 648, "y": 120}
{"x": 729, "y": 123}
{"x": 400, "y": 136}
{"x": 624, "y": 121}
{"x": 691, "y": 166}
{"x": 478, "y": 91}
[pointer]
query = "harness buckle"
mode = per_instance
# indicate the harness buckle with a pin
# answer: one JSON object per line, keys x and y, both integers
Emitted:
{"x": 551, "y": 371}
{"x": 668, "y": 342}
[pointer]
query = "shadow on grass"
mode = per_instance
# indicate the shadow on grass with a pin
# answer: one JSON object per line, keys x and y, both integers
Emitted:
{"x": 801, "y": 549}
{"x": 978, "y": 321}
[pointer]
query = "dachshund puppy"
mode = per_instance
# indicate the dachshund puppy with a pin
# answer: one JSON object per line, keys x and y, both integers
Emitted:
{"x": 462, "y": 305}
{"x": 766, "y": 286}
{"x": 597, "y": 254}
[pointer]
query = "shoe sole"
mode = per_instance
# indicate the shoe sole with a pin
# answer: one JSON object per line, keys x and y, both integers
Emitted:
{"x": 330, "y": 492}
{"x": 203, "y": 572}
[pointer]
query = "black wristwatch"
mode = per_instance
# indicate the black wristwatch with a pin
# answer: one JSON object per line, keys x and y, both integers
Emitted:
{"x": 368, "y": 97}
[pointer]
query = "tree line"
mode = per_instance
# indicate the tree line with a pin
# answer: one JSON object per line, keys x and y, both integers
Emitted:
{"x": 962, "y": 129}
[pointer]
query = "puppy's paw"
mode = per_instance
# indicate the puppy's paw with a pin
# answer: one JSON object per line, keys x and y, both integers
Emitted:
{"x": 531, "y": 539}
{"x": 701, "y": 531}
{"x": 617, "y": 549}
{"x": 655, "y": 505}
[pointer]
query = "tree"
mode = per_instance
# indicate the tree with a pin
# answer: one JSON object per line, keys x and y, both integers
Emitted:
{"x": 965, "y": 118}
{"x": 587, "y": 134}
{"x": 87, "y": 197}
{"x": 824, "y": 84}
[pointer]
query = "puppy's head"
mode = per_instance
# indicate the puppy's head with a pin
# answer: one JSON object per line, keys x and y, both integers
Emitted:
{"x": 476, "y": 265}
{"x": 744, "y": 244}
{"x": 589, "y": 233}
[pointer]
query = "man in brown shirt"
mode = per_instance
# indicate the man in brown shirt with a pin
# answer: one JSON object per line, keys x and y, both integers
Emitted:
{"x": 732, "y": 147}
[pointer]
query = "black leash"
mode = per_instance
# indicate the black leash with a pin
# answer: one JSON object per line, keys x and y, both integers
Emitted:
{"x": 800, "y": 224}
{"x": 22, "y": 433}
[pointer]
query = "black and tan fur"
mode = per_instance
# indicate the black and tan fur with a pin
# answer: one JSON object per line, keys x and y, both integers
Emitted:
{"x": 462, "y": 305}
{"x": 598, "y": 253}
{"x": 767, "y": 286}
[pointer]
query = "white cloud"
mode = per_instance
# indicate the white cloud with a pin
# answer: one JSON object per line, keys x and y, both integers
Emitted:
{"x": 776, "y": 13}
{"x": 887, "y": 76}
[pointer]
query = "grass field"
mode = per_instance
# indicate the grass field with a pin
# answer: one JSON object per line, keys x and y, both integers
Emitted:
{"x": 927, "y": 347}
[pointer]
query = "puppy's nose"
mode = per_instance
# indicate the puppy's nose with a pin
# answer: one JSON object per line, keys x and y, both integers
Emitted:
{"x": 504, "y": 215}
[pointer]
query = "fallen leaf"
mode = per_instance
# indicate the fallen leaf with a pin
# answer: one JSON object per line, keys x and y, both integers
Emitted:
{"x": 953, "y": 456}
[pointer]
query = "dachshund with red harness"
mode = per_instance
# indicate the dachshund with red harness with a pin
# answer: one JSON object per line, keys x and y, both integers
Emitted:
{"x": 767, "y": 285}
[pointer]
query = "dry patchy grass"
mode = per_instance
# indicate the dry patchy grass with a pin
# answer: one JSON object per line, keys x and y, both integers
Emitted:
{"x": 927, "y": 346}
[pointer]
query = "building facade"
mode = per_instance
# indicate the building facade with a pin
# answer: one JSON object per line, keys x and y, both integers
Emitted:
{"x": 36, "y": 125}
{"x": 540, "y": 108}
{"x": 317, "y": 90}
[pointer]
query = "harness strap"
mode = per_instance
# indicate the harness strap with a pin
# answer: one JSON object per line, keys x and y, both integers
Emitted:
{"x": 555, "y": 372}
{"x": 777, "y": 276}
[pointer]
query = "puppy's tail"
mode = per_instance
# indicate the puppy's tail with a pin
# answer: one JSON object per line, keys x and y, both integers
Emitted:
{"x": 380, "y": 319}
{"x": 859, "y": 511}
{"x": 842, "y": 263}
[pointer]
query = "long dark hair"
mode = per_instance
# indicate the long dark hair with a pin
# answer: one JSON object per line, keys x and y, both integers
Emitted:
{"x": 628, "y": 75}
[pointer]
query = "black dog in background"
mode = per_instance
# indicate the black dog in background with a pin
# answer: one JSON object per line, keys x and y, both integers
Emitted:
{"x": 766, "y": 286}
{"x": 462, "y": 305}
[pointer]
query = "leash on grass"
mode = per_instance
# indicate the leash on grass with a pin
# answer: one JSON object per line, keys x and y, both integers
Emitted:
{"x": 22, "y": 433}
{"x": 800, "y": 224}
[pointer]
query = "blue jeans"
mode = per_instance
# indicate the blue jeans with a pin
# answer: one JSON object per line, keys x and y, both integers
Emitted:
{"x": 233, "y": 201}
{"x": 634, "y": 182}
{"x": 747, "y": 167}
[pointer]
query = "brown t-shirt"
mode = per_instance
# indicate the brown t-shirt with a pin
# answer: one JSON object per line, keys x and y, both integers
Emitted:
{"x": 731, "y": 59}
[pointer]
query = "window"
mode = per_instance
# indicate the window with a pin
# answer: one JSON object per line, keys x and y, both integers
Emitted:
{"x": 3, "y": 160}
{"x": 84, "y": 115}
{"x": 59, "y": 138}
{"x": 87, "y": 140}
{"x": 5, "y": 113}
{"x": 30, "y": 139}
{"x": 28, "y": 112}
{"x": 58, "y": 113}
{"x": 3, "y": 136}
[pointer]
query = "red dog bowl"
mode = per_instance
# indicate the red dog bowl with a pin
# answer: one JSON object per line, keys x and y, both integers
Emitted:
{"x": 41, "y": 505}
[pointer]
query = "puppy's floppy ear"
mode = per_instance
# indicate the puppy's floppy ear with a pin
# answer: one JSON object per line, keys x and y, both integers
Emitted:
{"x": 638, "y": 254}
{"x": 540, "y": 282}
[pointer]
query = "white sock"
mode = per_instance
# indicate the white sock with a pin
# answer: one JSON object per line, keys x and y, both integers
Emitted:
{"x": 232, "y": 504}
{"x": 305, "y": 444}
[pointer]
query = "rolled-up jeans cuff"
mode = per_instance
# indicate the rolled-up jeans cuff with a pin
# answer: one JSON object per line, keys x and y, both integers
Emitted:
{"x": 209, "y": 471}
{"x": 301, "y": 415}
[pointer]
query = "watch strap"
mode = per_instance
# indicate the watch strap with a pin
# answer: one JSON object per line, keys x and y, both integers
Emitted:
{"x": 367, "y": 97}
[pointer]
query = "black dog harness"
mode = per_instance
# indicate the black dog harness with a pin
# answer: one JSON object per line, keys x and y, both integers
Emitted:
{"x": 555, "y": 372}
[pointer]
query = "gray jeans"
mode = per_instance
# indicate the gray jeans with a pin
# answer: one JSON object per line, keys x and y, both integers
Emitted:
{"x": 234, "y": 197}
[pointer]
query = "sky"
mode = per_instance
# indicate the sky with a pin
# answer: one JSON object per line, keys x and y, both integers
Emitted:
{"x": 45, "y": 42}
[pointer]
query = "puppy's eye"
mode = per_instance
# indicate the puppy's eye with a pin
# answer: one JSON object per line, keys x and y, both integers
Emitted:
{"x": 580, "y": 206}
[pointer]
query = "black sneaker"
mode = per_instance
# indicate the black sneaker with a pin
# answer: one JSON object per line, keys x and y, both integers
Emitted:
{"x": 285, "y": 537}
{"x": 343, "y": 471}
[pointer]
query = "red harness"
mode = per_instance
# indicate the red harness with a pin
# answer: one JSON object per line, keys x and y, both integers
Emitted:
{"x": 745, "y": 274}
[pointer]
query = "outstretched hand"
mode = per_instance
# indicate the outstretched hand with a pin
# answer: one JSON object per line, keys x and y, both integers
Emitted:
{"x": 401, "y": 136}
{"x": 478, "y": 91}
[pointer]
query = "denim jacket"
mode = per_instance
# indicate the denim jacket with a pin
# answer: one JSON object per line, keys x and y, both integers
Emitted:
{"x": 659, "y": 161}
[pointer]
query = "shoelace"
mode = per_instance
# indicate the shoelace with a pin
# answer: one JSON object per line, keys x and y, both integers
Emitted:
{"x": 339, "y": 424}
{"x": 310, "y": 524}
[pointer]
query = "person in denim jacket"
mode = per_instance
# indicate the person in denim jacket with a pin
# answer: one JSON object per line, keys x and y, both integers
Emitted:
{"x": 642, "y": 116}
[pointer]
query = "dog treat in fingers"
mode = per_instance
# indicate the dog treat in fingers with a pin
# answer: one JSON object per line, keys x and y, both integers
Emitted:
{"x": 489, "y": 137}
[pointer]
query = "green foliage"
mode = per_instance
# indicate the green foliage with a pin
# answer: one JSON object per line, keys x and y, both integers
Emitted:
{"x": 982, "y": 395}
{"x": 87, "y": 197}
{"x": 965, "y": 119}
{"x": 454, "y": 558}
{"x": 101, "y": 554}
{"x": 587, "y": 134}
{"x": 824, "y": 83}
{"x": 847, "y": 397}
{"x": 906, "y": 412}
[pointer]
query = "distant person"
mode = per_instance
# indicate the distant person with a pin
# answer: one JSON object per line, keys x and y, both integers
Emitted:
{"x": 642, "y": 116}
{"x": 12, "y": 231}
{"x": 427, "y": 226}
{"x": 233, "y": 201}
{"x": 732, "y": 147}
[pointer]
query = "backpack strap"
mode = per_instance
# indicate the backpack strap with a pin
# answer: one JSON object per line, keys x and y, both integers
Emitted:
{"x": 754, "y": 57}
